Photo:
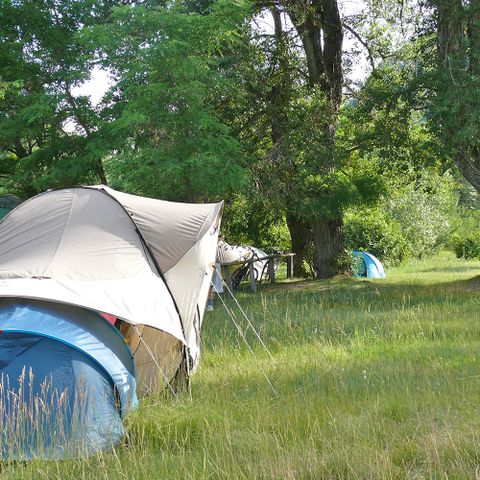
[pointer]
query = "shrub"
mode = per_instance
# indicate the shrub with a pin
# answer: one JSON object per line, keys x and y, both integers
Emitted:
{"x": 423, "y": 210}
{"x": 412, "y": 222}
{"x": 467, "y": 246}
{"x": 249, "y": 222}
{"x": 376, "y": 232}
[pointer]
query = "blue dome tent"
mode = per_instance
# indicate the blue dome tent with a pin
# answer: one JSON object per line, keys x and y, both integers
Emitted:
{"x": 72, "y": 369}
{"x": 367, "y": 265}
{"x": 102, "y": 297}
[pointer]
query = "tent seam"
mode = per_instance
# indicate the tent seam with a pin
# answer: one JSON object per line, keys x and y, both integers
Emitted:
{"x": 196, "y": 242}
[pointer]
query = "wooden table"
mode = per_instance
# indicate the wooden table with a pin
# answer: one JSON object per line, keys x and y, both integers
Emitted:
{"x": 270, "y": 268}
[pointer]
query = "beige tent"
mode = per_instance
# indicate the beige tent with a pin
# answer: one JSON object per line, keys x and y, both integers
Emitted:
{"x": 147, "y": 262}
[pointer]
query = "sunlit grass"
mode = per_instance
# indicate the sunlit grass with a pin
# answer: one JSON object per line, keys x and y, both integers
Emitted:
{"x": 374, "y": 379}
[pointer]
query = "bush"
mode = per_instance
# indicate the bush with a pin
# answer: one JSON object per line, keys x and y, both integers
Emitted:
{"x": 423, "y": 210}
{"x": 412, "y": 222}
{"x": 249, "y": 222}
{"x": 467, "y": 246}
{"x": 376, "y": 232}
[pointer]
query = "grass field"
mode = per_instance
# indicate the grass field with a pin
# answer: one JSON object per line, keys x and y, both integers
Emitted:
{"x": 373, "y": 380}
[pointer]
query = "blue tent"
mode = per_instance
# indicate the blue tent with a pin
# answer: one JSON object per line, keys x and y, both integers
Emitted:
{"x": 67, "y": 379}
{"x": 367, "y": 265}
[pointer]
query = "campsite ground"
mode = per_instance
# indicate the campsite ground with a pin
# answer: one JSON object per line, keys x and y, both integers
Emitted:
{"x": 373, "y": 379}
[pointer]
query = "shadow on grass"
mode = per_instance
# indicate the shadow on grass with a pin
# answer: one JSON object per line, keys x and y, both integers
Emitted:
{"x": 441, "y": 269}
{"x": 344, "y": 283}
{"x": 342, "y": 309}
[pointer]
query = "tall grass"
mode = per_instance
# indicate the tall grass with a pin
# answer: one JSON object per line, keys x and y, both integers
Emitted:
{"x": 374, "y": 379}
{"x": 40, "y": 419}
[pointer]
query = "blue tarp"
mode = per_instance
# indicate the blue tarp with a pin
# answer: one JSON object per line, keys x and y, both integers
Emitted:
{"x": 367, "y": 266}
{"x": 67, "y": 378}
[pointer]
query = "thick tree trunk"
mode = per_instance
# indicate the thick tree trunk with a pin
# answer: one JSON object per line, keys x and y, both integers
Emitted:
{"x": 301, "y": 235}
{"x": 319, "y": 26}
{"x": 328, "y": 238}
{"x": 458, "y": 25}
{"x": 468, "y": 162}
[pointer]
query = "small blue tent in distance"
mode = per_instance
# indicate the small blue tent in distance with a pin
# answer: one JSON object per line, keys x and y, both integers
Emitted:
{"x": 366, "y": 265}
{"x": 102, "y": 296}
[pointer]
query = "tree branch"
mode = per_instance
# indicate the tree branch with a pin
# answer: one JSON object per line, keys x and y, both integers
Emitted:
{"x": 363, "y": 43}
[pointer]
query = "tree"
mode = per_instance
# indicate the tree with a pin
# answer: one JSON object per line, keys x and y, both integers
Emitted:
{"x": 288, "y": 122}
{"x": 170, "y": 141}
{"x": 455, "y": 99}
{"x": 319, "y": 27}
{"x": 42, "y": 61}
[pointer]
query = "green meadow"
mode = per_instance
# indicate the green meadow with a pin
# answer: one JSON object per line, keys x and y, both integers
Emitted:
{"x": 367, "y": 380}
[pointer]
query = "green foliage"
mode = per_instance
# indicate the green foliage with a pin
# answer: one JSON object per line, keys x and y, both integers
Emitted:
{"x": 375, "y": 231}
{"x": 249, "y": 222}
{"x": 465, "y": 238}
{"x": 42, "y": 61}
{"x": 413, "y": 221}
{"x": 156, "y": 132}
{"x": 170, "y": 140}
{"x": 423, "y": 209}
{"x": 467, "y": 246}
{"x": 451, "y": 70}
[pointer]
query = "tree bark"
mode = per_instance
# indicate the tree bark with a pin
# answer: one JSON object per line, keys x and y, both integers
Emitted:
{"x": 450, "y": 29}
{"x": 300, "y": 230}
{"x": 301, "y": 235}
{"x": 319, "y": 25}
{"x": 458, "y": 26}
{"x": 328, "y": 238}
{"x": 468, "y": 162}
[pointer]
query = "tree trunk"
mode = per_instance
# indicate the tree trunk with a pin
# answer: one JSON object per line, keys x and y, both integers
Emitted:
{"x": 450, "y": 29}
{"x": 328, "y": 238}
{"x": 101, "y": 173}
{"x": 458, "y": 25}
{"x": 300, "y": 230}
{"x": 301, "y": 235}
{"x": 319, "y": 25}
{"x": 468, "y": 162}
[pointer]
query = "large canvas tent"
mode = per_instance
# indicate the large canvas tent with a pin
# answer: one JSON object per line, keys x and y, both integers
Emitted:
{"x": 68, "y": 255}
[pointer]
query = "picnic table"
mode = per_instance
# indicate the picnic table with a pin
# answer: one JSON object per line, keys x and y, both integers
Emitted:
{"x": 226, "y": 273}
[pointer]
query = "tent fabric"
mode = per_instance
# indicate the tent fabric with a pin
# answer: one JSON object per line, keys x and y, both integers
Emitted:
{"x": 189, "y": 281}
{"x": 98, "y": 248}
{"x": 69, "y": 256}
{"x": 81, "y": 329}
{"x": 227, "y": 253}
{"x": 167, "y": 353}
{"x": 56, "y": 402}
{"x": 370, "y": 266}
{"x": 170, "y": 229}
